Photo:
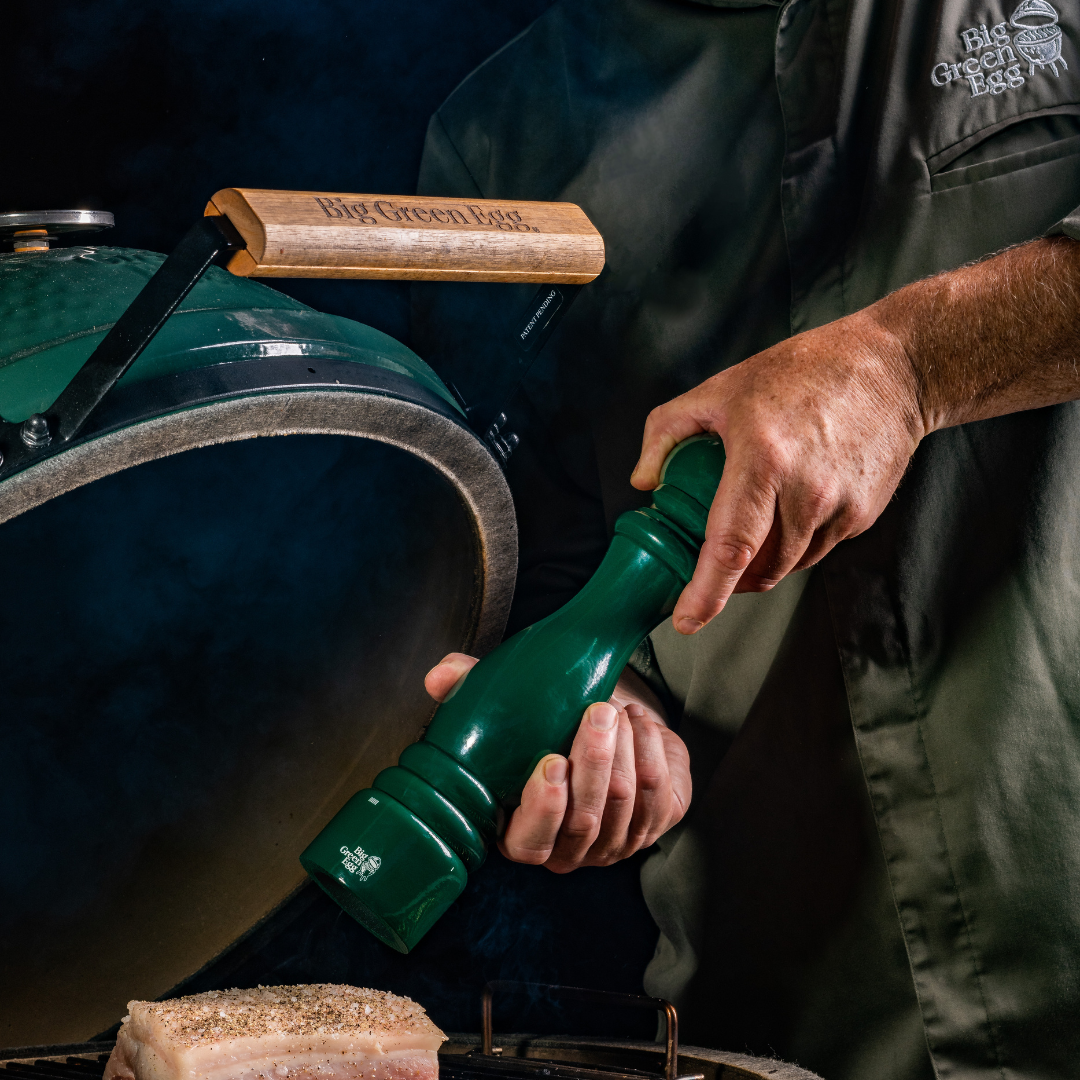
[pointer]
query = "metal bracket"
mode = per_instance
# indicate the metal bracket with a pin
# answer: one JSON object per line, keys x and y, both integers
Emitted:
{"x": 504, "y": 443}
{"x": 203, "y": 244}
{"x": 596, "y": 997}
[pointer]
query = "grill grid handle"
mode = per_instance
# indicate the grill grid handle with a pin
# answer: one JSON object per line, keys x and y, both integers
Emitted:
{"x": 596, "y": 997}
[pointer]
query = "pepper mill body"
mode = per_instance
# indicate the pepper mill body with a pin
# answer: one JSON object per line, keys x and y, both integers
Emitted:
{"x": 398, "y": 853}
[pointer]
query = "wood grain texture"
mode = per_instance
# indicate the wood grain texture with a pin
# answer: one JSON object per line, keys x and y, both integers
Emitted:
{"x": 421, "y": 238}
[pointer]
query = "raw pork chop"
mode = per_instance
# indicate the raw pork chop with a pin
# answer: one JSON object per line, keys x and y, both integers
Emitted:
{"x": 318, "y": 1032}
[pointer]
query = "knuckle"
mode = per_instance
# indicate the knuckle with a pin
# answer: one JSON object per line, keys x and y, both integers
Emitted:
{"x": 621, "y": 789}
{"x": 528, "y": 854}
{"x": 652, "y": 773}
{"x": 598, "y": 755}
{"x": 651, "y": 780}
{"x": 771, "y": 456}
{"x": 730, "y": 553}
{"x": 530, "y": 857}
{"x": 811, "y": 558}
{"x": 856, "y": 514}
{"x": 643, "y": 833}
{"x": 580, "y": 825}
{"x": 846, "y": 521}
{"x": 653, "y": 815}
{"x": 818, "y": 504}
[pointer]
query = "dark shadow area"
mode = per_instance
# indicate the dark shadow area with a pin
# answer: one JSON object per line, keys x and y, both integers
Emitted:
{"x": 146, "y": 110}
{"x": 215, "y": 649}
{"x": 590, "y": 928}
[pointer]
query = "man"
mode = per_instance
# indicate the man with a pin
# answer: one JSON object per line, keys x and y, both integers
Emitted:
{"x": 878, "y": 871}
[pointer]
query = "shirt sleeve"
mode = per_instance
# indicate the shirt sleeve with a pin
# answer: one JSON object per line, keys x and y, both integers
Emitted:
{"x": 1069, "y": 226}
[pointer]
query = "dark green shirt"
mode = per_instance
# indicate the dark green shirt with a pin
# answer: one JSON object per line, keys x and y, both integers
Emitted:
{"x": 880, "y": 874}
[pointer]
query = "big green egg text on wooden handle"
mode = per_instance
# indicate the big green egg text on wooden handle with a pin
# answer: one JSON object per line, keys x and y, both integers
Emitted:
{"x": 398, "y": 853}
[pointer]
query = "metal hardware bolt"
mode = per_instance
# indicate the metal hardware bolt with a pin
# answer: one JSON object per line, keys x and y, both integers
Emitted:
{"x": 31, "y": 240}
{"x": 504, "y": 443}
{"x": 33, "y": 232}
{"x": 35, "y": 432}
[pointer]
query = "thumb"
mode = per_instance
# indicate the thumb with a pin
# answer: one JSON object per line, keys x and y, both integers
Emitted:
{"x": 665, "y": 428}
{"x": 447, "y": 673}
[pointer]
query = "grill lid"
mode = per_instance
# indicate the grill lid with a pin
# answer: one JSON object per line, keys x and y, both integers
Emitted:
{"x": 221, "y": 599}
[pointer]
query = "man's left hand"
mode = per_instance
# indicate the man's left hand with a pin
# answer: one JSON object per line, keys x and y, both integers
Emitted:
{"x": 625, "y": 783}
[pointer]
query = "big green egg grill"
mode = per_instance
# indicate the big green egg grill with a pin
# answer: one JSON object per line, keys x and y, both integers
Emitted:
{"x": 235, "y": 532}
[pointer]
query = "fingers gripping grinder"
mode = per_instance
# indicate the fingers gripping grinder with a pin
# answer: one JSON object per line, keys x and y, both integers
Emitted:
{"x": 396, "y": 856}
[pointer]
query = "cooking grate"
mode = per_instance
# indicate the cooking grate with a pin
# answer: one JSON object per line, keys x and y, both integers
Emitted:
{"x": 566, "y": 1071}
{"x": 451, "y": 1067}
{"x": 73, "y": 1068}
{"x": 474, "y": 1066}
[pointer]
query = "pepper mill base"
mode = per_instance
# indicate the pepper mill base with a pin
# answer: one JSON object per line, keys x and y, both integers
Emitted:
{"x": 386, "y": 868}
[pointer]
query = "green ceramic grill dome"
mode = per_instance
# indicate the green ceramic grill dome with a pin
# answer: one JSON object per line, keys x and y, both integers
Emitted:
{"x": 57, "y": 305}
{"x": 222, "y": 595}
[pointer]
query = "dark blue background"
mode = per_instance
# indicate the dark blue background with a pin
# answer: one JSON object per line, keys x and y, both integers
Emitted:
{"x": 147, "y": 109}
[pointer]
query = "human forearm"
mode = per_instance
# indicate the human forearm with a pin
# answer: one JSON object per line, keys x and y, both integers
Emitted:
{"x": 819, "y": 429}
{"x": 1000, "y": 336}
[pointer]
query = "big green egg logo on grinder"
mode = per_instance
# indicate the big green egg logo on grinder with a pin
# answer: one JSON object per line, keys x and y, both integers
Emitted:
{"x": 359, "y": 862}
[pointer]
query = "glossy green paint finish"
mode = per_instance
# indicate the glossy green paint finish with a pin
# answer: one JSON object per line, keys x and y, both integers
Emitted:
{"x": 692, "y": 471}
{"x": 524, "y": 700}
{"x": 386, "y": 868}
{"x": 456, "y": 783}
{"x": 56, "y": 306}
{"x": 439, "y": 812}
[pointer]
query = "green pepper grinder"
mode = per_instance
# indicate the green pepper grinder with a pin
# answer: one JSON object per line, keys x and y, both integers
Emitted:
{"x": 397, "y": 854}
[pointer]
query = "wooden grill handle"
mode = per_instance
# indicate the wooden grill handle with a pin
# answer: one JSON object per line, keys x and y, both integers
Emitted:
{"x": 415, "y": 237}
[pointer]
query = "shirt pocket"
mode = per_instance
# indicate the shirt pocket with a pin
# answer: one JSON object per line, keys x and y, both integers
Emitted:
{"x": 1017, "y": 143}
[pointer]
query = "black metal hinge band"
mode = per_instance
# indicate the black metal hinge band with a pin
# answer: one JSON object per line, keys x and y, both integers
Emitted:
{"x": 205, "y": 243}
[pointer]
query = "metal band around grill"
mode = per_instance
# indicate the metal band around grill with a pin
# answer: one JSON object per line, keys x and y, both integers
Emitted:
{"x": 251, "y": 399}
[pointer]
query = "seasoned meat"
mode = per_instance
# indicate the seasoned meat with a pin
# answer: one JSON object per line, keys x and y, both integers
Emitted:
{"x": 317, "y": 1032}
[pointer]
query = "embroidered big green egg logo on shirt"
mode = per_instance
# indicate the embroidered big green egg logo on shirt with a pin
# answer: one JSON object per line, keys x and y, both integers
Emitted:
{"x": 1031, "y": 35}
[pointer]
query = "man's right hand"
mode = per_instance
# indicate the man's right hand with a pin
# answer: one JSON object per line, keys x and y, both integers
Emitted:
{"x": 819, "y": 429}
